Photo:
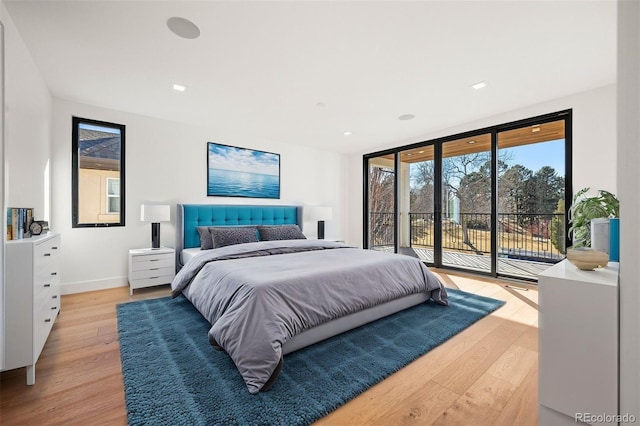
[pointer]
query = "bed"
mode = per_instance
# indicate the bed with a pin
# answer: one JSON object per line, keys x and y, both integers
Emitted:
{"x": 275, "y": 292}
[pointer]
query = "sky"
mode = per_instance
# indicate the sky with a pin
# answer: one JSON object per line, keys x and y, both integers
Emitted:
{"x": 243, "y": 160}
{"x": 537, "y": 155}
{"x": 87, "y": 126}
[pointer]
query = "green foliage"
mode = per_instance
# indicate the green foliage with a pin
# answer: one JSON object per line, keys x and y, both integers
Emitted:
{"x": 584, "y": 208}
{"x": 557, "y": 227}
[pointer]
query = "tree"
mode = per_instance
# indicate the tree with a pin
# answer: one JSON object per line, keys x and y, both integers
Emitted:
{"x": 513, "y": 189}
{"x": 381, "y": 205}
{"x": 549, "y": 188}
{"x": 422, "y": 190}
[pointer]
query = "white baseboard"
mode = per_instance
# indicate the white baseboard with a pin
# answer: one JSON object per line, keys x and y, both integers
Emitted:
{"x": 84, "y": 286}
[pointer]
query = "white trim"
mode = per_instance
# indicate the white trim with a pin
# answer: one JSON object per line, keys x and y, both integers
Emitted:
{"x": 84, "y": 286}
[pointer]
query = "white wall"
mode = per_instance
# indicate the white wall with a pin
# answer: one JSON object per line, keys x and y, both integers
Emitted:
{"x": 3, "y": 228}
{"x": 27, "y": 135}
{"x": 629, "y": 193}
{"x": 166, "y": 163}
{"x": 28, "y": 126}
{"x": 594, "y": 145}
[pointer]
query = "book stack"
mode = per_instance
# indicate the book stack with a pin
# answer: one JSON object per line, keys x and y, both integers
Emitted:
{"x": 18, "y": 221}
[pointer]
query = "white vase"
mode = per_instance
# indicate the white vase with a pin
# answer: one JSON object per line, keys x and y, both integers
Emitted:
{"x": 600, "y": 234}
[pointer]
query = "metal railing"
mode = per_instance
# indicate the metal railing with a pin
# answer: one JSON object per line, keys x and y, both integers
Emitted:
{"x": 538, "y": 237}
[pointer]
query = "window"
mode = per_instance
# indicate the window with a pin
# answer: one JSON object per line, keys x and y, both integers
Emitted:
{"x": 98, "y": 173}
{"x": 113, "y": 195}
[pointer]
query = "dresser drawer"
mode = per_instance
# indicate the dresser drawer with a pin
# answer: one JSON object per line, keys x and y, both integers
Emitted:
{"x": 46, "y": 250}
{"x": 43, "y": 318}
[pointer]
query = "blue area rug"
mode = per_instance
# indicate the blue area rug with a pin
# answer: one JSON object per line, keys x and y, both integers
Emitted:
{"x": 173, "y": 376}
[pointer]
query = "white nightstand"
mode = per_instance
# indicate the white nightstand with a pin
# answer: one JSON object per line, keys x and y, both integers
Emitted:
{"x": 149, "y": 267}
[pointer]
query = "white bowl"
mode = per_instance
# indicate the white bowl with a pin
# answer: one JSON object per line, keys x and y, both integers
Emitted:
{"x": 586, "y": 258}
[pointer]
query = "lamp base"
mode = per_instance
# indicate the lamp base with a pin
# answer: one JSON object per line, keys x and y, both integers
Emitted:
{"x": 321, "y": 229}
{"x": 155, "y": 236}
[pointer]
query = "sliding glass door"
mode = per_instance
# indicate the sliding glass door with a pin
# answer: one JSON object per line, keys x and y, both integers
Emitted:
{"x": 466, "y": 203}
{"x": 416, "y": 207}
{"x": 491, "y": 201}
{"x": 381, "y": 207}
{"x": 531, "y": 198}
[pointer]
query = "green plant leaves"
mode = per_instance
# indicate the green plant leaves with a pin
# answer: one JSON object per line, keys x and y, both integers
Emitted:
{"x": 584, "y": 208}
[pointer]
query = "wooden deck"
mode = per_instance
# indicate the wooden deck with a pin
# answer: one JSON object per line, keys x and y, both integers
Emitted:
{"x": 514, "y": 267}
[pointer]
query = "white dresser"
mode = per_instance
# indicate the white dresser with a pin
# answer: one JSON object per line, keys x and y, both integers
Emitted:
{"x": 32, "y": 299}
{"x": 151, "y": 267}
{"x": 578, "y": 353}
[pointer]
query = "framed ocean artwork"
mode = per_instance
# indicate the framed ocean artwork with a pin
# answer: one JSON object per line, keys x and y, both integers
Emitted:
{"x": 242, "y": 172}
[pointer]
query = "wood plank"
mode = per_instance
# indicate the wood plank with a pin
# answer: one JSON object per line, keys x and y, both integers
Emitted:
{"x": 522, "y": 408}
{"x": 481, "y": 404}
{"x": 514, "y": 364}
{"x": 465, "y": 370}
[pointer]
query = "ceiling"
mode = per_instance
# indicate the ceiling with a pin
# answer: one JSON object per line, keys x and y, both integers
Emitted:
{"x": 305, "y": 72}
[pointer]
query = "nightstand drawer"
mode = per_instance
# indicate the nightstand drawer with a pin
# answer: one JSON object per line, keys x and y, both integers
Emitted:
{"x": 141, "y": 263}
{"x": 152, "y": 281}
{"x": 152, "y": 272}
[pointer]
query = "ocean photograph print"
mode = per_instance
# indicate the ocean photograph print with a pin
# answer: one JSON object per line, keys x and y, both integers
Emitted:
{"x": 242, "y": 172}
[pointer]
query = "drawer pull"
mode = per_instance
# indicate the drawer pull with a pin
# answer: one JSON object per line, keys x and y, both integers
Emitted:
{"x": 55, "y": 296}
{"x": 153, "y": 278}
{"x": 54, "y": 248}
{"x": 47, "y": 320}
{"x": 53, "y": 308}
{"x": 47, "y": 285}
{"x": 47, "y": 254}
{"x": 54, "y": 273}
{"x": 154, "y": 269}
{"x": 153, "y": 260}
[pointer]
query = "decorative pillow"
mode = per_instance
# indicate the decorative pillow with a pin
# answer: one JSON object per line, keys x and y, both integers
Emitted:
{"x": 227, "y": 236}
{"x": 206, "y": 241}
{"x": 280, "y": 232}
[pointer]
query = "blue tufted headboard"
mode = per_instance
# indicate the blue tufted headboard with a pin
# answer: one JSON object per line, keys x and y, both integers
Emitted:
{"x": 192, "y": 215}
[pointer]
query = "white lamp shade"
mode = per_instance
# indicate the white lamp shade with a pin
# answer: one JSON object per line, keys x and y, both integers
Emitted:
{"x": 318, "y": 213}
{"x": 155, "y": 213}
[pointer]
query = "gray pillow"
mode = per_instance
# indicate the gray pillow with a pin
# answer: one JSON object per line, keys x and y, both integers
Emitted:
{"x": 281, "y": 232}
{"x": 206, "y": 242}
{"x": 227, "y": 236}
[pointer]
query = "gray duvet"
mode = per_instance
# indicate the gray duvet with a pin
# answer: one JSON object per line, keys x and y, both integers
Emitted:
{"x": 258, "y": 295}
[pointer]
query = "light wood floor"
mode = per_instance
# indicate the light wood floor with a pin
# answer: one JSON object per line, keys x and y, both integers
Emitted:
{"x": 487, "y": 374}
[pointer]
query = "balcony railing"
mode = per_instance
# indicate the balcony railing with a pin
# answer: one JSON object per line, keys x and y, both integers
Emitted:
{"x": 538, "y": 237}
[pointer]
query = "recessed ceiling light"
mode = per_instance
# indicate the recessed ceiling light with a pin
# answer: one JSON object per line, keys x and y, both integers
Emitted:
{"x": 348, "y": 133}
{"x": 183, "y": 27}
{"x": 471, "y": 142}
{"x": 179, "y": 87}
{"x": 480, "y": 85}
{"x": 406, "y": 117}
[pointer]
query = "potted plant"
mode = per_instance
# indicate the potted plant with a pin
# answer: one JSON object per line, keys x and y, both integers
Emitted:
{"x": 584, "y": 208}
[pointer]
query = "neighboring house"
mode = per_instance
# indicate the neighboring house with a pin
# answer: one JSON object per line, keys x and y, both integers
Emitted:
{"x": 99, "y": 177}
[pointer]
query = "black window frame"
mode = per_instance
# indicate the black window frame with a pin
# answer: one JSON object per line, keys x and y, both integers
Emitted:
{"x": 75, "y": 178}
